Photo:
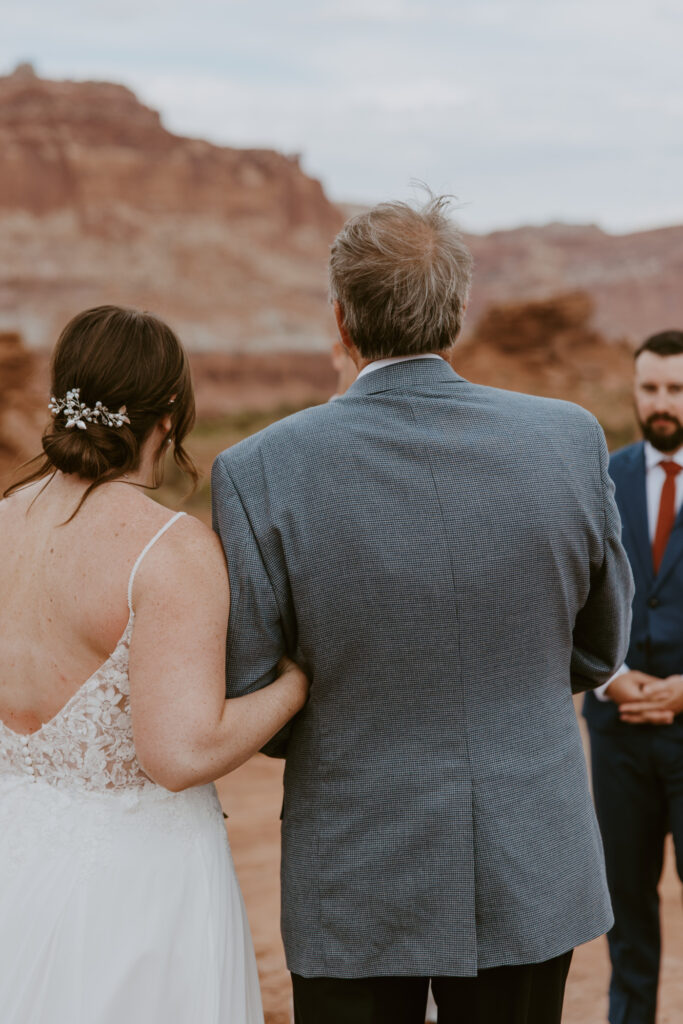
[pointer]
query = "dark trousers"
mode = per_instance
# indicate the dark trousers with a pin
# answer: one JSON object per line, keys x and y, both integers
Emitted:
{"x": 529, "y": 994}
{"x": 638, "y": 788}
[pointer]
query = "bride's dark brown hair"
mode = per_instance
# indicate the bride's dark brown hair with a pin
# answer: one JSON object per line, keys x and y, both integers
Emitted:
{"x": 117, "y": 357}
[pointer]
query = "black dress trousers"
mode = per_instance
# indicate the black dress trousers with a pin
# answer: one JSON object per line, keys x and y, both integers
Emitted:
{"x": 526, "y": 994}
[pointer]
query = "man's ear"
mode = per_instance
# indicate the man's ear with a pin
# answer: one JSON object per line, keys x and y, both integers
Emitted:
{"x": 344, "y": 335}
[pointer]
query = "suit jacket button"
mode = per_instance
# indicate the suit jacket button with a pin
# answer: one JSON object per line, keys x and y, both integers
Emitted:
{"x": 653, "y": 602}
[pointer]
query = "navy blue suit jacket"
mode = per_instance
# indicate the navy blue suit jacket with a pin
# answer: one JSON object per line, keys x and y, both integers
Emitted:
{"x": 656, "y": 645}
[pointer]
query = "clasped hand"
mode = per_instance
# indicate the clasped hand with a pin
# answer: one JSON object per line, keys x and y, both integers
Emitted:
{"x": 644, "y": 699}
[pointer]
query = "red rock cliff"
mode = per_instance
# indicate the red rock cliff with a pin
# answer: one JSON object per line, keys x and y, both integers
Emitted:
{"x": 100, "y": 203}
{"x": 81, "y": 145}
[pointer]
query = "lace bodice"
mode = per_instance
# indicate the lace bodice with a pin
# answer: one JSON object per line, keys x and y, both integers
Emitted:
{"x": 89, "y": 742}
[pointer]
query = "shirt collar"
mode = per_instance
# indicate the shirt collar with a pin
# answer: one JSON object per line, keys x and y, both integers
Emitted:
{"x": 653, "y": 456}
{"x": 379, "y": 363}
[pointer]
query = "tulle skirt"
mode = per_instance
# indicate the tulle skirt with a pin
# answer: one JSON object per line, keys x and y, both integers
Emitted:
{"x": 120, "y": 908}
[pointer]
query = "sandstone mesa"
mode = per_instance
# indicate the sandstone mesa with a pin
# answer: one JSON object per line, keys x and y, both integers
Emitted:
{"x": 100, "y": 203}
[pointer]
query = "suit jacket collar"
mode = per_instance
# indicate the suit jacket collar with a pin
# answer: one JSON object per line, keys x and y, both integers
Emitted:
{"x": 410, "y": 375}
{"x": 633, "y": 507}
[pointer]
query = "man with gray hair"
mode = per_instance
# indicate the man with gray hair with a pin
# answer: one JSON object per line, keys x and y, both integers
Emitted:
{"x": 444, "y": 561}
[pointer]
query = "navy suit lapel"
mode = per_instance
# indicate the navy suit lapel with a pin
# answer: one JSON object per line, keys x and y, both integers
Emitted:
{"x": 632, "y": 500}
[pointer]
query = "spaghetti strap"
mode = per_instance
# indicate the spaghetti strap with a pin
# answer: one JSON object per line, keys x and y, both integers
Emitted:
{"x": 144, "y": 551}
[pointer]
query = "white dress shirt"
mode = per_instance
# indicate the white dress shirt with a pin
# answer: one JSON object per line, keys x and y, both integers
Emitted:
{"x": 379, "y": 363}
{"x": 654, "y": 482}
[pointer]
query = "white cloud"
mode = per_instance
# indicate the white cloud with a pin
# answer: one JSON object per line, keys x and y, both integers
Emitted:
{"x": 382, "y": 11}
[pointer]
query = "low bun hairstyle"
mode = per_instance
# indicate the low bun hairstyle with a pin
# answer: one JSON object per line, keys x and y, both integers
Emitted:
{"x": 119, "y": 357}
{"x": 90, "y": 453}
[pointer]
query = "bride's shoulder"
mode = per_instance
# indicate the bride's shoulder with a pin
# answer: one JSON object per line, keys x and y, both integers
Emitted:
{"x": 183, "y": 533}
{"x": 189, "y": 538}
{"x": 189, "y": 554}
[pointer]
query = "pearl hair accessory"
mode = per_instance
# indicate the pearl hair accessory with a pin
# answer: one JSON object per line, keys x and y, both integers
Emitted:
{"x": 78, "y": 414}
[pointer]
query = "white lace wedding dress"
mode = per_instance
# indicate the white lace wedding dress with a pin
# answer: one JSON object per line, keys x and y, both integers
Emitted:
{"x": 118, "y": 899}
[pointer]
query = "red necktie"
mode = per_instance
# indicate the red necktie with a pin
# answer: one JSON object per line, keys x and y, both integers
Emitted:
{"x": 667, "y": 512}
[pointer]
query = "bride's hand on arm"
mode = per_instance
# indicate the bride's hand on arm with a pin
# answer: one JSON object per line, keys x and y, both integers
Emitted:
{"x": 186, "y": 733}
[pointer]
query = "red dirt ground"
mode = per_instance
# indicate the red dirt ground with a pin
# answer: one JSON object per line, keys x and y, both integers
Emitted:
{"x": 252, "y": 796}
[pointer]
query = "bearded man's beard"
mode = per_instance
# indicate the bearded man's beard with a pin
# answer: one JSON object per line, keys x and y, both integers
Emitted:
{"x": 663, "y": 442}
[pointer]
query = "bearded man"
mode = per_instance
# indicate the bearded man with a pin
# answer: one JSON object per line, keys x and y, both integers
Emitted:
{"x": 636, "y": 719}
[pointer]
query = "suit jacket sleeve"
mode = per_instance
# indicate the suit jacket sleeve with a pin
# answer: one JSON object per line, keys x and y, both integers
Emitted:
{"x": 256, "y": 639}
{"x": 602, "y": 627}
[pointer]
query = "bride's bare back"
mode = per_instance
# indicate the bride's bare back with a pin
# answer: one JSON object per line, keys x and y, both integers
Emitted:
{"x": 64, "y": 608}
{"x": 63, "y": 604}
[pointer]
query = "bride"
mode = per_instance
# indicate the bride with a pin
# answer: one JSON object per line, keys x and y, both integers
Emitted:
{"x": 118, "y": 899}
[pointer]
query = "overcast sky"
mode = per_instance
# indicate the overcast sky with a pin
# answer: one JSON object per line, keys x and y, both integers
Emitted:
{"x": 527, "y": 110}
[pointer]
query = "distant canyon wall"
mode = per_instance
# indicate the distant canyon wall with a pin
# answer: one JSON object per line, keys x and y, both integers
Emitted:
{"x": 99, "y": 203}
{"x": 634, "y": 280}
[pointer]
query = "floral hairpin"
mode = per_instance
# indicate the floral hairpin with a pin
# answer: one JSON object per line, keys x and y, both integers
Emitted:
{"x": 78, "y": 414}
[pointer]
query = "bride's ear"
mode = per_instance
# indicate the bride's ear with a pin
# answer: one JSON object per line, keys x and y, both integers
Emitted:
{"x": 165, "y": 428}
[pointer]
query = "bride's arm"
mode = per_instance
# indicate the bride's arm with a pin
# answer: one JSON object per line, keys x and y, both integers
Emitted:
{"x": 186, "y": 732}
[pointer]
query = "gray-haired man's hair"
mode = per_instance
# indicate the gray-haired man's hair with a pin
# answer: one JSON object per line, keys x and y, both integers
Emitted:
{"x": 401, "y": 276}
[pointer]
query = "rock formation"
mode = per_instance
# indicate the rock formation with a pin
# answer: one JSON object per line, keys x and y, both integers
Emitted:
{"x": 92, "y": 147}
{"x": 20, "y": 404}
{"x": 544, "y": 331}
{"x": 634, "y": 279}
{"x": 100, "y": 203}
{"x": 552, "y": 347}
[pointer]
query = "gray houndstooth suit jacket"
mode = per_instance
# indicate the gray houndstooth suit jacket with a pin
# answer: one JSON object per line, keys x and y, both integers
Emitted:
{"x": 444, "y": 561}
